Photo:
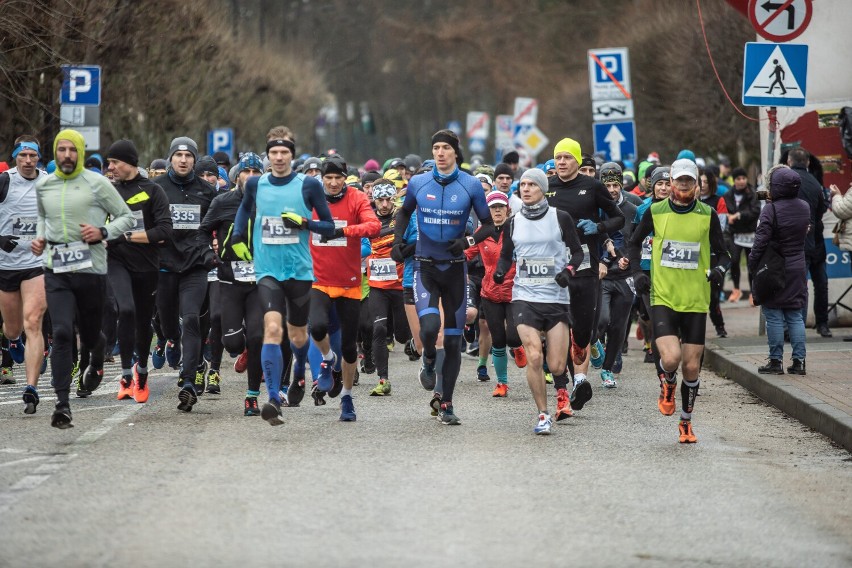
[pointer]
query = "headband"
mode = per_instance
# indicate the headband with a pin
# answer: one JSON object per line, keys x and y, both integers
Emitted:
{"x": 384, "y": 191}
{"x": 25, "y": 146}
{"x": 281, "y": 142}
{"x": 443, "y": 137}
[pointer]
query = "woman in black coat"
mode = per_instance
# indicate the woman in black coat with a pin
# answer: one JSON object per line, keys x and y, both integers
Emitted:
{"x": 743, "y": 211}
{"x": 791, "y": 216}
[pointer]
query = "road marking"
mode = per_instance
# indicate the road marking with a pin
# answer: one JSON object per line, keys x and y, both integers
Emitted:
{"x": 58, "y": 462}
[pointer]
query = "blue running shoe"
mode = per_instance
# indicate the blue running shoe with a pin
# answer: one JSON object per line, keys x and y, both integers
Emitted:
{"x": 158, "y": 356}
{"x": 325, "y": 380}
{"x": 30, "y": 399}
{"x": 545, "y": 423}
{"x": 173, "y": 354}
{"x": 116, "y": 351}
{"x": 482, "y": 373}
{"x": 16, "y": 350}
{"x": 608, "y": 380}
{"x": 598, "y": 354}
{"x": 428, "y": 376}
{"x": 347, "y": 408}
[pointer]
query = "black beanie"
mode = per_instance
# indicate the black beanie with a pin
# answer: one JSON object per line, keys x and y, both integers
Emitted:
{"x": 512, "y": 157}
{"x": 123, "y": 151}
{"x": 449, "y": 137}
{"x": 737, "y": 172}
{"x": 503, "y": 168}
{"x": 334, "y": 165}
{"x": 207, "y": 164}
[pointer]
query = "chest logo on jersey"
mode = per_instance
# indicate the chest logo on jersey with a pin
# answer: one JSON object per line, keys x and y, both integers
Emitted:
{"x": 430, "y": 197}
{"x": 454, "y": 198}
{"x": 581, "y": 192}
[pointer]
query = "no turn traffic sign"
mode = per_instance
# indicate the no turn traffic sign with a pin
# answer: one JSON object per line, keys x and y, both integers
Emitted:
{"x": 780, "y": 20}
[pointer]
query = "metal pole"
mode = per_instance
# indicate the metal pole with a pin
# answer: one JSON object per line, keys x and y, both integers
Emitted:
{"x": 772, "y": 113}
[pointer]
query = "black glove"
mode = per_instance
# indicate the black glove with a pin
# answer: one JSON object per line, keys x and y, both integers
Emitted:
{"x": 338, "y": 232}
{"x": 457, "y": 246}
{"x": 564, "y": 276}
{"x": 499, "y": 277}
{"x": 8, "y": 242}
{"x": 716, "y": 276}
{"x": 642, "y": 283}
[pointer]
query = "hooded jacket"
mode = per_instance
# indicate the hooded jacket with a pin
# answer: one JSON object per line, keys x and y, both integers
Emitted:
{"x": 749, "y": 210}
{"x": 65, "y": 201}
{"x": 793, "y": 218}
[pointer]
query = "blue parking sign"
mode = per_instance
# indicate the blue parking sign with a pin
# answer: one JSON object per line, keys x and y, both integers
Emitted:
{"x": 221, "y": 140}
{"x": 81, "y": 85}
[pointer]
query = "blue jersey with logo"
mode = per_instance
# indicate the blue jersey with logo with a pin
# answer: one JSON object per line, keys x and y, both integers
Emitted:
{"x": 442, "y": 211}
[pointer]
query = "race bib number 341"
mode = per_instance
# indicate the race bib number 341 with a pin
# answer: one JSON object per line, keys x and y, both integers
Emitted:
{"x": 677, "y": 254}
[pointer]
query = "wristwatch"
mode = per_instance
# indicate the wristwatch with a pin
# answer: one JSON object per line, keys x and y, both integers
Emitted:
{"x": 127, "y": 235}
{"x": 103, "y": 233}
{"x": 470, "y": 241}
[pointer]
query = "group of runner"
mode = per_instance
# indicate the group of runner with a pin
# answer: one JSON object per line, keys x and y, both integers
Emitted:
{"x": 293, "y": 264}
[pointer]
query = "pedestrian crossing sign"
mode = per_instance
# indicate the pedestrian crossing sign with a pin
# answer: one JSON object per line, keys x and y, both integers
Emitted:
{"x": 775, "y": 74}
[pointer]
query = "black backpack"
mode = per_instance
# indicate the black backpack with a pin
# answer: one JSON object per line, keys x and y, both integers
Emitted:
{"x": 846, "y": 130}
{"x": 770, "y": 277}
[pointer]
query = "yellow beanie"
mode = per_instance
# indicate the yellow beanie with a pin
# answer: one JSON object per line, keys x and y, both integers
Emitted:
{"x": 571, "y": 146}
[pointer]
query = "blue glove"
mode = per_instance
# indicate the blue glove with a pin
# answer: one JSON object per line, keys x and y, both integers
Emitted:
{"x": 588, "y": 227}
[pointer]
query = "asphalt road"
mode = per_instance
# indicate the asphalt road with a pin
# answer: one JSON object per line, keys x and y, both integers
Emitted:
{"x": 148, "y": 485}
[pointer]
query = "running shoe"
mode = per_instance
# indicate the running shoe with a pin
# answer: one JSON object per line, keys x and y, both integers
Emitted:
{"x": 347, "y": 408}
{"x": 619, "y": 363}
{"x": 411, "y": 350}
{"x": 158, "y": 355}
{"x": 317, "y": 394}
{"x": 173, "y": 354}
{"x": 482, "y": 373}
{"x": 82, "y": 391}
{"x": 296, "y": 392}
{"x": 563, "y": 405}
{"x": 61, "y": 417}
{"x": 578, "y": 354}
{"x": 187, "y": 398}
{"x": 390, "y": 345}
{"x": 545, "y": 423}
{"x": 383, "y": 388}
{"x": 520, "y": 357}
{"x": 446, "y": 416}
{"x": 200, "y": 381}
{"x": 368, "y": 365}
{"x": 666, "y": 402}
{"x": 686, "y": 434}
{"x": 16, "y": 350}
{"x": 598, "y": 354}
{"x": 213, "y": 381}
{"x": 427, "y": 376}
{"x": 608, "y": 380}
{"x": 125, "y": 388}
{"x": 140, "y": 385}
{"x": 241, "y": 362}
{"x": 6, "y": 377}
{"x": 500, "y": 391}
{"x": 324, "y": 380}
{"x": 735, "y": 296}
{"x": 435, "y": 403}
{"x": 649, "y": 357}
{"x": 92, "y": 378}
{"x": 581, "y": 394}
{"x": 30, "y": 399}
{"x": 548, "y": 377}
{"x": 337, "y": 376}
{"x": 251, "y": 407}
{"x": 271, "y": 412}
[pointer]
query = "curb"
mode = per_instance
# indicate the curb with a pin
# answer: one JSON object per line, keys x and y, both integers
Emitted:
{"x": 789, "y": 399}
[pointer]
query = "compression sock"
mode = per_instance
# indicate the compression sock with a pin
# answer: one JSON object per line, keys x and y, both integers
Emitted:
{"x": 250, "y": 393}
{"x": 440, "y": 355}
{"x": 500, "y": 364}
{"x": 271, "y": 360}
{"x": 483, "y": 360}
{"x": 560, "y": 381}
{"x": 688, "y": 391}
{"x": 300, "y": 355}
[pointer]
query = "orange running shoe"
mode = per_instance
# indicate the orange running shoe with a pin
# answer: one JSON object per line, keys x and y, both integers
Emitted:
{"x": 563, "y": 405}
{"x": 500, "y": 391}
{"x": 140, "y": 385}
{"x": 241, "y": 362}
{"x": 686, "y": 434}
{"x": 125, "y": 389}
{"x": 735, "y": 296}
{"x": 520, "y": 357}
{"x": 666, "y": 402}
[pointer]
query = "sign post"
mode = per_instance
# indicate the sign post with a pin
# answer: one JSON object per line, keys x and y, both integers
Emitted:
{"x": 80, "y": 99}
{"x": 612, "y": 103}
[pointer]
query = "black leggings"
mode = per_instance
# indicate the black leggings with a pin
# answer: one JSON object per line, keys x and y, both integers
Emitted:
{"x": 382, "y": 303}
{"x": 584, "y": 292}
{"x": 348, "y": 310}
{"x": 616, "y": 300}
{"x": 134, "y": 296}
{"x": 181, "y": 296}
{"x": 365, "y": 327}
{"x": 736, "y": 253}
{"x": 67, "y": 296}
{"x": 214, "y": 337}
{"x": 242, "y": 326}
{"x": 501, "y": 324}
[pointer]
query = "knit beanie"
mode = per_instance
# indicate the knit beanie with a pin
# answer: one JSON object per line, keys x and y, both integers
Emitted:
{"x": 568, "y": 145}
{"x": 611, "y": 172}
{"x": 537, "y": 177}
{"x": 185, "y": 144}
{"x": 503, "y": 168}
{"x": 207, "y": 165}
{"x": 123, "y": 151}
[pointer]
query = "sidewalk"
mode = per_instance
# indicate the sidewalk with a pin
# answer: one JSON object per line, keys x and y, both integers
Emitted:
{"x": 822, "y": 399}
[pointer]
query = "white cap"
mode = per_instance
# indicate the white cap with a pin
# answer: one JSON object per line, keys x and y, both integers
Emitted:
{"x": 684, "y": 167}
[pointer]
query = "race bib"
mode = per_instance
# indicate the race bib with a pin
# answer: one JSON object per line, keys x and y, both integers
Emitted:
{"x": 382, "y": 270}
{"x": 185, "y": 215}
{"x": 646, "y": 248}
{"x": 25, "y": 228}
{"x": 745, "y": 240}
{"x": 534, "y": 271}
{"x": 243, "y": 270}
{"x": 677, "y": 254}
{"x": 273, "y": 232}
{"x": 340, "y": 242}
{"x": 213, "y": 275}
{"x": 587, "y": 261}
{"x": 139, "y": 225}
{"x": 71, "y": 257}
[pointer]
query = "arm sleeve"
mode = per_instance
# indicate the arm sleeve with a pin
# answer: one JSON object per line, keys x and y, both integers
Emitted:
{"x": 366, "y": 247}
{"x": 368, "y": 224}
{"x": 403, "y": 217}
{"x": 642, "y": 230}
{"x": 121, "y": 219}
{"x": 717, "y": 243}
{"x": 507, "y": 252}
{"x": 615, "y": 218}
{"x": 315, "y": 199}
{"x": 246, "y": 207}
{"x": 209, "y": 223}
{"x": 570, "y": 238}
{"x": 162, "y": 229}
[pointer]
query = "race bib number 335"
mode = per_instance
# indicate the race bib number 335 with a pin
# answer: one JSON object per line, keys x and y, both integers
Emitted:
{"x": 185, "y": 215}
